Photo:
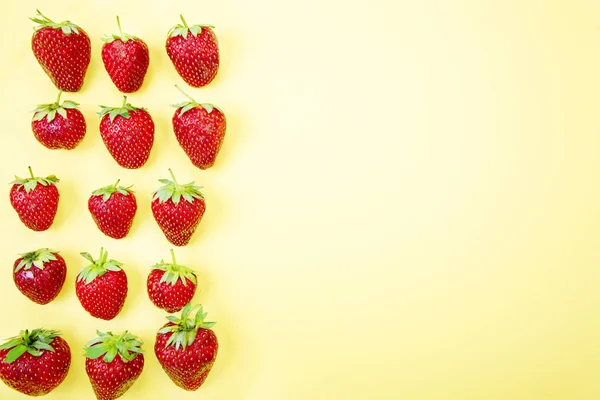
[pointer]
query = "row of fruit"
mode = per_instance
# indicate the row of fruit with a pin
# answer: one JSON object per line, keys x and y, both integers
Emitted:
{"x": 36, "y": 362}
{"x": 177, "y": 208}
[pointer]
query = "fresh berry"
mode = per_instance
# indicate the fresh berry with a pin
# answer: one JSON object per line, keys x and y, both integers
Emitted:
{"x": 113, "y": 363}
{"x": 40, "y": 275}
{"x": 113, "y": 208}
{"x": 128, "y": 133}
{"x": 59, "y": 126}
{"x": 178, "y": 209}
{"x": 126, "y": 60}
{"x": 101, "y": 287}
{"x": 194, "y": 51}
{"x": 186, "y": 348}
{"x": 200, "y": 130}
{"x": 63, "y": 50}
{"x": 35, "y": 200}
{"x": 35, "y": 363}
{"x": 170, "y": 285}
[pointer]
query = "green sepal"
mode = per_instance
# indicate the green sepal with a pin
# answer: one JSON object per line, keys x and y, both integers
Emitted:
{"x": 97, "y": 267}
{"x": 126, "y": 345}
{"x": 35, "y": 343}
{"x": 185, "y": 329}
{"x": 67, "y": 27}
{"x": 175, "y": 192}
{"x": 174, "y": 272}
{"x": 50, "y": 110}
{"x": 36, "y": 258}
{"x": 184, "y": 30}
{"x": 124, "y": 37}
{"x": 186, "y": 106}
{"x": 123, "y": 111}
{"x": 30, "y": 183}
{"x": 107, "y": 191}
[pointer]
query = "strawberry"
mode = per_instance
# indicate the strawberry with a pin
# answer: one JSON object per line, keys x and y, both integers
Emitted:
{"x": 113, "y": 208}
{"x": 35, "y": 363}
{"x": 101, "y": 287}
{"x": 200, "y": 130}
{"x": 35, "y": 200}
{"x": 126, "y": 60}
{"x": 171, "y": 286}
{"x": 63, "y": 50}
{"x": 113, "y": 363}
{"x": 186, "y": 348}
{"x": 58, "y": 126}
{"x": 40, "y": 275}
{"x": 194, "y": 51}
{"x": 128, "y": 133}
{"x": 178, "y": 210}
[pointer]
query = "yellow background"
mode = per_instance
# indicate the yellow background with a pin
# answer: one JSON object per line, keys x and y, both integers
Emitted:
{"x": 406, "y": 205}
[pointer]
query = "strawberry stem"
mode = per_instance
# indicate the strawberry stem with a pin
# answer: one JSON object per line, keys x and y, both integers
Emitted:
{"x": 117, "y": 182}
{"x": 172, "y": 176}
{"x": 182, "y": 20}
{"x": 173, "y": 257}
{"x": 39, "y": 12}
{"x": 30, "y": 172}
{"x": 119, "y": 24}
{"x": 184, "y": 93}
{"x": 124, "y": 101}
{"x": 58, "y": 98}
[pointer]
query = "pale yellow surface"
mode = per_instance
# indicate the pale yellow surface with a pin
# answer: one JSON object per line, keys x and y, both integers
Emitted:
{"x": 406, "y": 205}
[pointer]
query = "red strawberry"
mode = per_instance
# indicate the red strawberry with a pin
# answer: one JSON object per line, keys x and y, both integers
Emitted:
{"x": 128, "y": 133}
{"x": 63, "y": 50}
{"x": 171, "y": 286}
{"x": 200, "y": 130}
{"x": 126, "y": 60}
{"x": 102, "y": 286}
{"x": 113, "y": 363}
{"x": 186, "y": 348}
{"x": 178, "y": 210}
{"x": 36, "y": 362}
{"x": 194, "y": 51}
{"x": 113, "y": 208}
{"x": 40, "y": 275}
{"x": 35, "y": 200}
{"x": 58, "y": 126}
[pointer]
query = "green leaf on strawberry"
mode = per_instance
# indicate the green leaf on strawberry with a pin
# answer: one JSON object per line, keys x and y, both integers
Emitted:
{"x": 175, "y": 272}
{"x": 36, "y": 259}
{"x": 125, "y": 37}
{"x": 186, "y": 328}
{"x": 34, "y": 343}
{"x": 67, "y": 27}
{"x": 30, "y": 183}
{"x": 97, "y": 267}
{"x": 174, "y": 191}
{"x": 184, "y": 30}
{"x": 107, "y": 191}
{"x": 50, "y": 110}
{"x": 188, "y": 105}
{"x": 123, "y": 111}
{"x": 126, "y": 345}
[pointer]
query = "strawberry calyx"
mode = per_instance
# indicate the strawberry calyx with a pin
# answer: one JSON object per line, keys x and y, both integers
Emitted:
{"x": 36, "y": 259}
{"x": 124, "y": 37}
{"x": 126, "y": 345}
{"x": 184, "y": 30}
{"x": 188, "y": 105}
{"x": 123, "y": 111}
{"x": 107, "y": 191}
{"x": 186, "y": 328}
{"x": 174, "y": 191}
{"x": 67, "y": 27}
{"x": 49, "y": 111}
{"x": 34, "y": 343}
{"x": 30, "y": 183}
{"x": 97, "y": 267}
{"x": 175, "y": 272}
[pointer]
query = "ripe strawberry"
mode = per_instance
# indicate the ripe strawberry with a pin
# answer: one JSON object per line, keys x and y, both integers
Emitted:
{"x": 113, "y": 208}
{"x": 40, "y": 275}
{"x": 63, "y": 50}
{"x": 101, "y": 287}
{"x": 200, "y": 130}
{"x": 35, "y": 200}
{"x": 195, "y": 56}
{"x": 126, "y": 60}
{"x": 186, "y": 348}
{"x": 128, "y": 133}
{"x": 114, "y": 374}
{"x": 58, "y": 126}
{"x": 171, "y": 286}
{"x": 178, "y": 210}
{"x": 35, "y": 363}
